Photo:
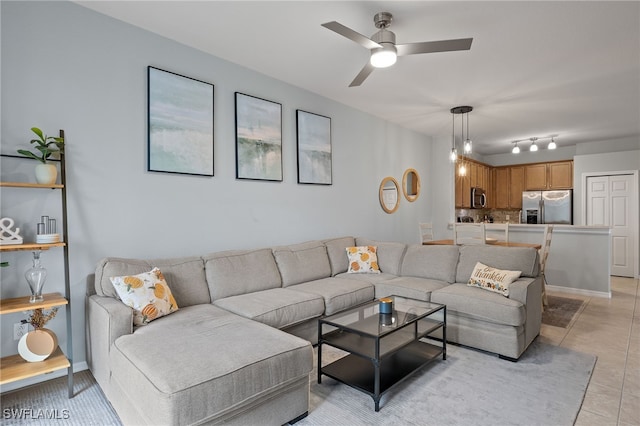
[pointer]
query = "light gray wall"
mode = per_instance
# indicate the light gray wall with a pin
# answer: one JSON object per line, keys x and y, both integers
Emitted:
{"x": 66, "y": 67}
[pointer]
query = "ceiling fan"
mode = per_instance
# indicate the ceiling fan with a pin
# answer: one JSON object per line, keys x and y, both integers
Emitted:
{"x": 384, "y": 49}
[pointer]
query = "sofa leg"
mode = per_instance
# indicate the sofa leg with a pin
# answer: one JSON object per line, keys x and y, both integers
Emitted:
{"x": 300, "y": 417}
{"x": 508, "y": 358}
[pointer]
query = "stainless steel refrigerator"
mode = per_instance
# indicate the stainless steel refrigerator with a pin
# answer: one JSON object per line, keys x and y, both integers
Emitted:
{"x": 547, "y": 207}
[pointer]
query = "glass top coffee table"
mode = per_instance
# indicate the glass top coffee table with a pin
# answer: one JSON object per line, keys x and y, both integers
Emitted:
{"x": 384, "y": 349}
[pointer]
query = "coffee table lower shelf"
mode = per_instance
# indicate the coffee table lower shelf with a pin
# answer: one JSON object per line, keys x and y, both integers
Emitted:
{"x": 354, "y": 371}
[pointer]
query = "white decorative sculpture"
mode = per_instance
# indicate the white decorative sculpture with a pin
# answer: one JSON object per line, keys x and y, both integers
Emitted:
{"x": 7, "y": 234}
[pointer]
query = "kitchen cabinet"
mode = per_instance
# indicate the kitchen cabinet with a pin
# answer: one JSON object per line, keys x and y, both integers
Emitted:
{"x": 542, "y": 176}
{"x": 516, "y": 186}
{"x": 561, "y": 175}
{"x": 501, "y": 191}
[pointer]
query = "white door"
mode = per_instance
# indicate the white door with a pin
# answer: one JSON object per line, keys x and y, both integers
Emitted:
{"x": 610, "y": 202}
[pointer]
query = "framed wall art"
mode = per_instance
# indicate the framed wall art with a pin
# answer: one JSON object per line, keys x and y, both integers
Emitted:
{"x": 314, "y": 148}
{"x": 258, "y": 138}
{"x": 180, "y": 124}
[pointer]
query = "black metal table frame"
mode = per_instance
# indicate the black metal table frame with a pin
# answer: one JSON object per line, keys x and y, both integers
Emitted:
{"x": 414, "y": 362}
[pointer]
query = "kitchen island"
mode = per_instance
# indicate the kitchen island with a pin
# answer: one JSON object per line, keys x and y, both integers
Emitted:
{"x": 579, "y": 259}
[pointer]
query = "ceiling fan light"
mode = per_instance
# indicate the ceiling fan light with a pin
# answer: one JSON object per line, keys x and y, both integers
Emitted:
{"x": 468, "y": 146}
{"x": 383, "y": 57}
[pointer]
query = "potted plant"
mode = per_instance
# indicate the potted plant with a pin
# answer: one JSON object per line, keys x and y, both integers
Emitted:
{"x": 45, "y": 146}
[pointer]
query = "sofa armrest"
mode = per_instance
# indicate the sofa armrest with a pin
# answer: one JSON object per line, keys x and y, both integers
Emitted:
{"x": 528, "y": 291}
{"x": 107, "y": 319}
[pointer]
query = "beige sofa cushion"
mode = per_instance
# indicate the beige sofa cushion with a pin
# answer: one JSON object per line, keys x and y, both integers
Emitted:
{"x": 413, "y": 287}
{"x": 234, "y": 272}
{"x": 304, "y": 262}
{"x": 523, "y": 259}
{"x": 232, "y": 360}
{"x": 338, "y": 293}
{"x": 185, "y": 276}
{"x": 389, "y": 254}
{"x": 337, "y": 256}
{"x": 434, "y": 262}
{"x": 476, "y": 303}
{"x": 277, "y": 307}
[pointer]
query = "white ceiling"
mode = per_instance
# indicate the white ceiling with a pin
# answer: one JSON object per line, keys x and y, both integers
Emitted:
{"x": 534, "y": 69}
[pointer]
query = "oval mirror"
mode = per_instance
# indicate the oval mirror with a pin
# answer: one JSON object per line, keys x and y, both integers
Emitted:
{"x": 389, "y": 190}
{"x": 411, "y": 185}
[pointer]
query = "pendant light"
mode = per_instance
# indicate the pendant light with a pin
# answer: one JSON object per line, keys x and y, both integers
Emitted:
{"x": 467, "y": 142}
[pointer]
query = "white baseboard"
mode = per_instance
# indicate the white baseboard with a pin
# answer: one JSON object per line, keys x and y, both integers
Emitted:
{"x": 77, "y": 366}
{"x": 580, "y": 291}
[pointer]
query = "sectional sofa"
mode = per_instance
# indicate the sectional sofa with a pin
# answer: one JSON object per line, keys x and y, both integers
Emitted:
{"x": 239, "y": 348}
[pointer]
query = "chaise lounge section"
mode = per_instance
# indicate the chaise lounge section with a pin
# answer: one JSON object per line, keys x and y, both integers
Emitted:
{"x": 239, "y": 350}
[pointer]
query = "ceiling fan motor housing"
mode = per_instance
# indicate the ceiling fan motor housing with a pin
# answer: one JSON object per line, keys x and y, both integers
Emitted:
{"x": 382, "y": 19}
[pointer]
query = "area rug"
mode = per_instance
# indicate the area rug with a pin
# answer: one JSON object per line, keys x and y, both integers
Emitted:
{"x": 545, "y": 387}
{"x": 560, "y": 311}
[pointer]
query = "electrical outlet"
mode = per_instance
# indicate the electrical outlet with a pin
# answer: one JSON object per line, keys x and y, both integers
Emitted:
{"x": 19, "y": 330}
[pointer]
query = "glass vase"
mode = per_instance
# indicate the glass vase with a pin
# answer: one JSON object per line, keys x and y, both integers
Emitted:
{"x": 36, "y": 276}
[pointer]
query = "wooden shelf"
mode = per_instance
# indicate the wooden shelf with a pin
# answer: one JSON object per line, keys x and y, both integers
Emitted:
{"x": 14, "y": 368}
{"x": 31, "y": 185}
{"x": 20, "y": 304}
{"x": 29, "y": 246}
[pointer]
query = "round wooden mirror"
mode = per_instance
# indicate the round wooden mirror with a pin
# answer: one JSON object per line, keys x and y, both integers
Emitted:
{"x": 411, "y": 185}
{"x": 389, "y": 198}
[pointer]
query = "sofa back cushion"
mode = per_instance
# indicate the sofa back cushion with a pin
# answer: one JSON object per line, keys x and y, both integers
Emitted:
{"x": 433, "y": 262}
{"x": 304, "y": 262}
{"x": 389, "y": 254}
{"x": 185, "y": 277}
{"x": 234, "y": 272}
{"x": 523, "y": 259}
{"x": 338, "y": 258}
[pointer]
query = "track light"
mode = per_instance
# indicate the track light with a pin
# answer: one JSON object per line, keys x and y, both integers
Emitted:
{"x": 533, "y": 147}
{"x": 516, "y": 148}
{"x": 552, "y": 144}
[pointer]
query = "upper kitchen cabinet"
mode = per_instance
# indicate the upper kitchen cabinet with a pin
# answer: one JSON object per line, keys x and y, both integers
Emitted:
{"x": 516, "y": 186}
{"x": 556, "y": 175}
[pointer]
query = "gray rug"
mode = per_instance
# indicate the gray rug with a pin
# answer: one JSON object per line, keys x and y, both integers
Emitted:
{"x": 545, "y": 387}
{"x": 560, "y": 311}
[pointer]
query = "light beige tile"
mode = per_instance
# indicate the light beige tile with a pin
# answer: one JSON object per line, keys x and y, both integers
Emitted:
{"x": 630, "y": 409}
{"x": 586, "y": 418}
{"x": 610, "y": 370}
{"x": 552, "y": 335}
{"x": 602, "y": 400}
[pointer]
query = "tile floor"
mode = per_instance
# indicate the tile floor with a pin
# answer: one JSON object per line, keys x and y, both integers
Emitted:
{"x": 610, "y": 329}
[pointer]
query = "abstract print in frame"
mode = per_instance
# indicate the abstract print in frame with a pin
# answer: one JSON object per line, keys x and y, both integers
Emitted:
{"x": 258, "y": 138}
{"x": 314, "y": 148}
{"x": 180, "y": 124}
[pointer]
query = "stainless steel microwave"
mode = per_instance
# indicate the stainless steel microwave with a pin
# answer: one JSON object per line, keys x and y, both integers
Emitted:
{"x": 478, "y": 198}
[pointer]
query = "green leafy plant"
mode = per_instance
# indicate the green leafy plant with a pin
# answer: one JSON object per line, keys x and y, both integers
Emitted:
{"x": 45, "y": 145}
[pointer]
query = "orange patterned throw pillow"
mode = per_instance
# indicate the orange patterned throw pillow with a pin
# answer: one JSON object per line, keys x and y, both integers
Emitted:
{"x": 147, "y": 293}
{"x": 492, "y": 279}
{"x": 363, "y": 260}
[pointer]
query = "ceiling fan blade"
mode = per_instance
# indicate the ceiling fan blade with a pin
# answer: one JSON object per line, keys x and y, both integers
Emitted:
{"x": 362, "y": 75}
{"x": 351, "y": 35}
{"x": 434, "y": 46}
